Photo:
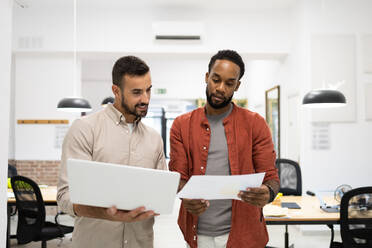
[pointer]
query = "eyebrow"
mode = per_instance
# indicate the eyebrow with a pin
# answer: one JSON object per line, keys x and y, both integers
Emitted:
{"x": 216, "y": 74}
{"x": 136, "y": 89}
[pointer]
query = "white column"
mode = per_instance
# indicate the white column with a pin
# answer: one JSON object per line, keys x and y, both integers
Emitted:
{"x": 5, "y": 72}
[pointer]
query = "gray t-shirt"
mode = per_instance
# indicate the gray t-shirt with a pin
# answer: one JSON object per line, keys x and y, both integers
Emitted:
{"x": 216, "y": 220}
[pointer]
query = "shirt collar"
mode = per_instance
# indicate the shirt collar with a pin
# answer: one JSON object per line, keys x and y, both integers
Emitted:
{"x": 114, "y": 114}
{"x": 227, "y": 118}
{"x": 117, "y": 116}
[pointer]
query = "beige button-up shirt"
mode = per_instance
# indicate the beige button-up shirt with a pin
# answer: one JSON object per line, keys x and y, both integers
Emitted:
{"x": 105, "y": 137}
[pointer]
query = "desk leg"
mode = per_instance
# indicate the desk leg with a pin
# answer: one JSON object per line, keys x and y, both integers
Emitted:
{"x": 332, "y": 234}
{"x": 286, "y": 238}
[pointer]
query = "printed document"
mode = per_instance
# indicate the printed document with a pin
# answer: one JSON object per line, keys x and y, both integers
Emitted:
{"x": 219, "y": 187}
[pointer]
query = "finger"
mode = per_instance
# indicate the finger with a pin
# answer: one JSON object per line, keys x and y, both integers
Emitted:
{"x": 199, "y": 211}
{"x": 256, "y": 190}
{"x": 135, "y": 212}
{"x": 112, "y": 211}
{"x": 144, "y": 215}
{"x": 193, "y": 201}
{"x": 195, "y": 208}
{"x": 255, "y": 197}
{"x": 205, "y": 202}
{"x": 196, "y": 204}
{"x": 254, "y": 201}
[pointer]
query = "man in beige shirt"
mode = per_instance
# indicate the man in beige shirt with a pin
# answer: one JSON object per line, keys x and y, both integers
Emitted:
{"x": 114, "y": 135}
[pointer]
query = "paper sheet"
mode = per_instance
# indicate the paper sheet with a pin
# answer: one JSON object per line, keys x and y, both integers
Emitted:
{"x": 219, "y": 187}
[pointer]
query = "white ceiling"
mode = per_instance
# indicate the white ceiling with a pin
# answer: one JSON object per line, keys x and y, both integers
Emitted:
{"x": 203, "y": 4}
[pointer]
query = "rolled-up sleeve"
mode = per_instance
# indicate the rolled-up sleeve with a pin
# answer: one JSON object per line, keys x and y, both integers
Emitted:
{"x": 263, "y": 150}
{"x": 78, "y": 145}
{"x": 178, "y": 156}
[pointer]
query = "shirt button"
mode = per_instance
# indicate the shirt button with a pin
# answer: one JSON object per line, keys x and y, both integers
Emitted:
{"x": 207, "y": 128}
{"x": 204, "y": 147}
{"x": 194, "y": 226}
{"x": 202, "y": 168}
{"x": 125, "y": 241}
{"x": 194, "y": 237}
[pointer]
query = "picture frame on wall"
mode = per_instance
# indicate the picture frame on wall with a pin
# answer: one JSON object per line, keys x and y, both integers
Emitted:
{"x": 272, "y": 103}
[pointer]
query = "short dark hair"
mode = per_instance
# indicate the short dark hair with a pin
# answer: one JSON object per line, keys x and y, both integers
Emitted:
{"x": 128, "y": 65}
{"x": 230, "y": 55}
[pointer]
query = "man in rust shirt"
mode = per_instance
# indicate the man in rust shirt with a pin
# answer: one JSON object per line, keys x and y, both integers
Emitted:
{"x": 224, "y": 139}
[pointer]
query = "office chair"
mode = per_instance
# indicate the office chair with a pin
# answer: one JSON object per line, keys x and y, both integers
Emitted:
{"x": 289, "y": 176}
{"x": 31, "y": 214}
{"x": 290, "y": 184}
{"x": 12, "y": 171}
{"x": 356, "y": 219}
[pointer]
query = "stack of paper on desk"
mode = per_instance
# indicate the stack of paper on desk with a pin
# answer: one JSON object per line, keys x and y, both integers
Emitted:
{"x": 219, "y": 187}
{"x": 274, "y": 211}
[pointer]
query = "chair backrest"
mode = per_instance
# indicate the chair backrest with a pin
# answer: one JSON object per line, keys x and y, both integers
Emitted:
{"x": 356, "y": 218}
{"x": 290, "y": 177}
{"x": 31, "y": 208}
{"x": 12, "y": 171}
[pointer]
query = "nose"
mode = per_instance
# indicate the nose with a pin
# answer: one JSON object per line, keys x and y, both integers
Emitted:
{"x": 145, "y": 97}
{"x": 221, "y": 88}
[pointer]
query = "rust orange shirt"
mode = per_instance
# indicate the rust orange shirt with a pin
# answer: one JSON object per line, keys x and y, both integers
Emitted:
{"x": 250, "y": 150}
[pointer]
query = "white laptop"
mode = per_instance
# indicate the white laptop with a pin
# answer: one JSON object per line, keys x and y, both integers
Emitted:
{"x": 126, "y": 187}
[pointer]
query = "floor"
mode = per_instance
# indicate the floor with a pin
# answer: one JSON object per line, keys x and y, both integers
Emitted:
{"x": 168, "y": 235}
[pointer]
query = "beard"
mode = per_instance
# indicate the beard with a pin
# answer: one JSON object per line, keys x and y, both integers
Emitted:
{"x": 133, "y": 111}
{"x": 223, "y": 104}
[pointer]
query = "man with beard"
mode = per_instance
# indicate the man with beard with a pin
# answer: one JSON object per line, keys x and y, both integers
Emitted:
{"x": 224, "y": 139}
{"x": 114, "y": 135}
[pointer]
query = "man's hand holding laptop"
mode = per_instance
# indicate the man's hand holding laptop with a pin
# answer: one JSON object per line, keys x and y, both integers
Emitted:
{"x": 114, "y": 214}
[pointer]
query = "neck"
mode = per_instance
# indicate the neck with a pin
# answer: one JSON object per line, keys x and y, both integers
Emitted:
{"x": 129, "y": 118}
{"x": 213, "y": 111}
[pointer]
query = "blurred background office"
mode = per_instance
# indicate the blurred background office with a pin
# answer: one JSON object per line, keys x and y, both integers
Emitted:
{"x": 299, "y": 45}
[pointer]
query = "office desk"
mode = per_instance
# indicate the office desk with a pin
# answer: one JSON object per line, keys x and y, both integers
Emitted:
{"x": 50, "y": 199}
{"x": 309, "y": 214}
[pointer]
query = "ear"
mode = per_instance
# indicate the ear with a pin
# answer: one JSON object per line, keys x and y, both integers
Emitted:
{"x": 206, "y": 77}
{"x": 116, "y": 91}
{"x": 237, "y": 86}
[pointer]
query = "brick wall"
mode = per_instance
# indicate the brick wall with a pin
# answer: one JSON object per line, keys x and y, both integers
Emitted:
{"x": 41, "y": 171}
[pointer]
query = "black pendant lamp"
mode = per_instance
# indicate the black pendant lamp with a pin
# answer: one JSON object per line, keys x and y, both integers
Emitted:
{"x": 107, "y": 100}
{"x": 74, "y": 104}
{"x": 324, "y": 99}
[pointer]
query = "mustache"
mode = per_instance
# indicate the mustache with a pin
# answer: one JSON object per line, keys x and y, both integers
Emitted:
{"x": 141, "y": 105}
{"x": 219, "y": 96}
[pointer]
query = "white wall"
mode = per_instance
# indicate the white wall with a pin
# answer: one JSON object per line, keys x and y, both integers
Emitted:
{"x": 43, "y": 64}
{"x": 125, "y": 28}
{"x": 348, "y": 160}
{"x": 41, "y": 80}
{"x": 5, "y": 71}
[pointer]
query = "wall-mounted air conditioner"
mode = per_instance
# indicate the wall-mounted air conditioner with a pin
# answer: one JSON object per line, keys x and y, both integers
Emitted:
{"x": 177, "y": 30}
